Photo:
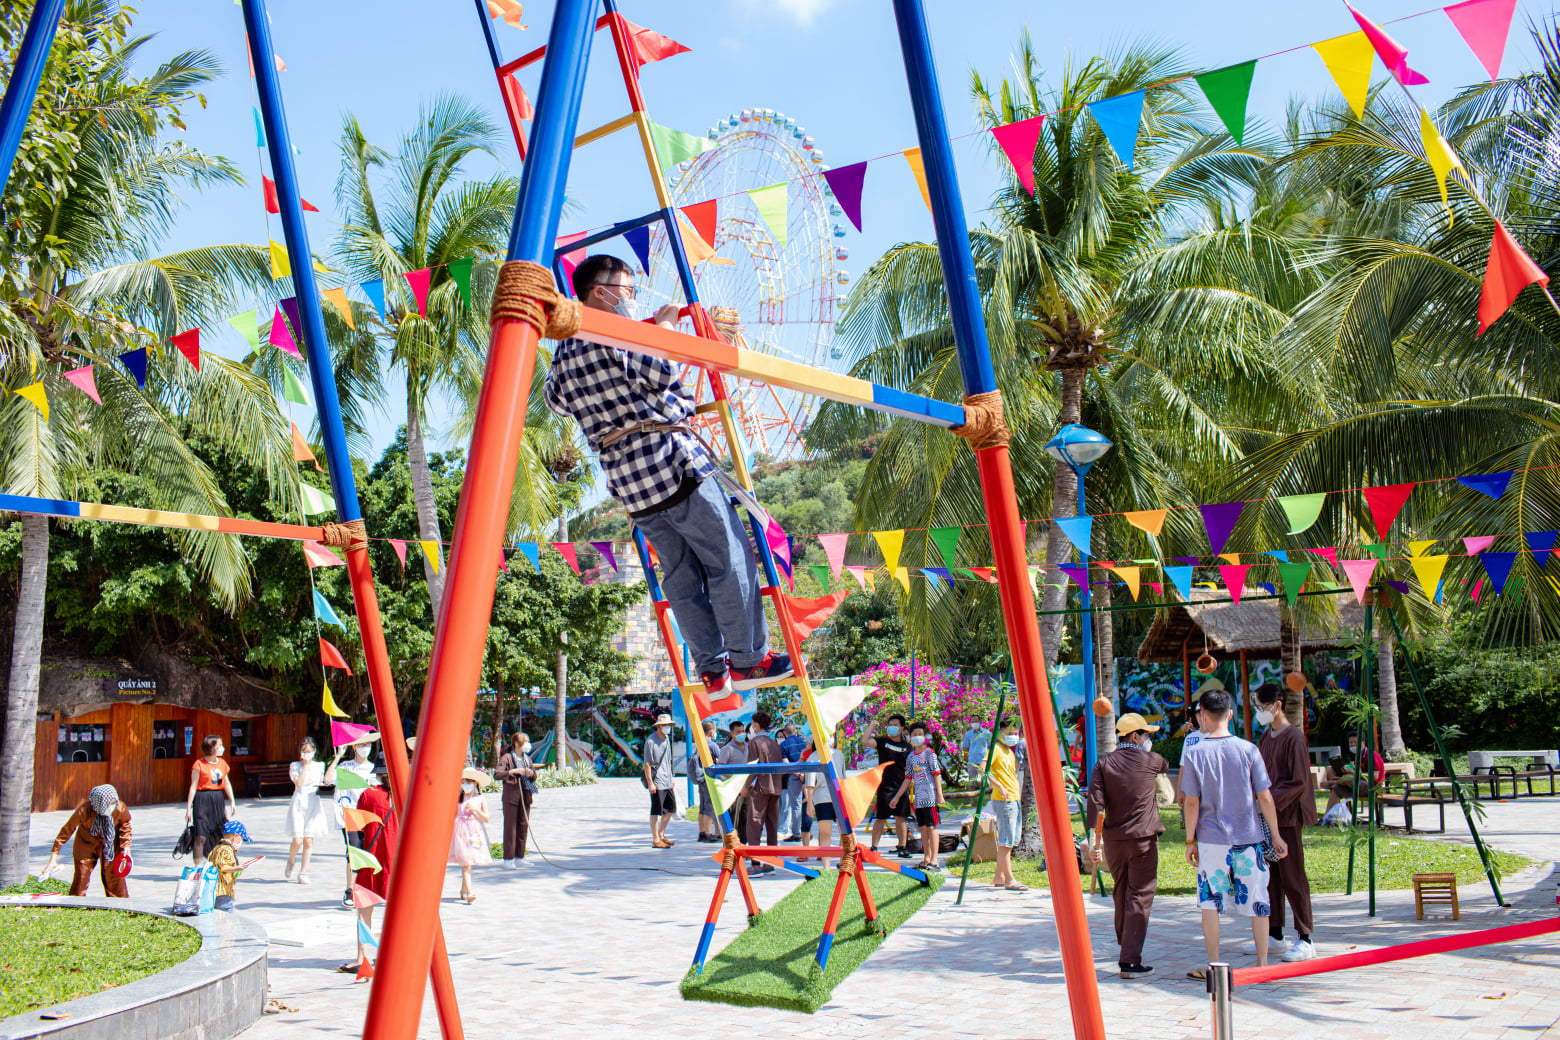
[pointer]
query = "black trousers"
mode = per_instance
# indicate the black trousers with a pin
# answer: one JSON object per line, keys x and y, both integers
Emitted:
{"x": 517, "y": 824}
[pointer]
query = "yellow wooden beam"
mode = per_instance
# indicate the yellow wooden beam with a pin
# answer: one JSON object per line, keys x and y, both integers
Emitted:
{"x": 605, "y": 130}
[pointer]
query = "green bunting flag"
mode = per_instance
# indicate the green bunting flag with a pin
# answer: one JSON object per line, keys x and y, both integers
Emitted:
{"x": 1303, "y": 510}
{"x": 1376, "y": 549}
{"x": 1227, "y": 90}
{"x": 674, "y": 146}
{"x": 1294, "y": 575}
{"x": 248, "y": 325}
{"x": 773, "y": 205}
{"x": 292, "y": 387}
{"x": 724, "y": 791}
{"x": 821, "y": 572}
{"x": 347, "y": 780}
{"x": 460, "y": 270}
{"x": 316, "y": 501}
{"x": 947, "y": 541}
{"x": 358, "y": 859}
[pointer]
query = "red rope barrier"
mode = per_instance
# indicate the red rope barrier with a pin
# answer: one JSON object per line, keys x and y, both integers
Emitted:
{"x": 1445, "y": 944}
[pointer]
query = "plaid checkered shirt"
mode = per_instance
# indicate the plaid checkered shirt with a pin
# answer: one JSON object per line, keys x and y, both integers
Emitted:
{"x": 607, "y": 389}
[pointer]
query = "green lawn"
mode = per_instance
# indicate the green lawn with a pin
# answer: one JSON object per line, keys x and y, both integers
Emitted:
{"x": 771, "y": 963}
{"x": 49, "y": 955}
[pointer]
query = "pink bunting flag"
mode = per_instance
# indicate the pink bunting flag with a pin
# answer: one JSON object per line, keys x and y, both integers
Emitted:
{"x": 419, "y": 281}
{"x": 1478, "y": 589}
{"x": 1485, "y": 26}
{"x": 860, "y": 574}
{"x": 399, "y": 546}
{"x": 1018, "y": 141}
{"x": 1234, "y": 578}
{"x": 566, "y": 550}
{"x": 1330, "y": 554}
{"x": 571, "y": 259}
{"x": 834, "y": 549}
{"x": 1157, "y": 586}
{"x": 1385, "y": 504}
{"x": 779, "y": 544}
{"x": 344, "y": 733}
{"x": 280, "y": 336}
{"x": 1478, "y": 544}
{"x": 362, "y": 899}
{"x": 319, "y": 556}
{"x": 1359, "y": 572}
{"x": 82, "y": 378}
{"x": 1393, "y": 54}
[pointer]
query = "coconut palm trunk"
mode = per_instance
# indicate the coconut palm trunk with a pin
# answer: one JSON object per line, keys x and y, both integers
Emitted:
{"x": 422, "y": 498}
{"x": 21, "y": 715}
{"x": 1064, "y": 504}
{"x": 498, "y": 720}
{"x": 1386, "y": 677}
{"x": 1104, "y": 672}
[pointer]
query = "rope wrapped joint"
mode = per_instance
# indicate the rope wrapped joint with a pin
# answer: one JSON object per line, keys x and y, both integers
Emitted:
{"x": 847, "y": 854}
{"x": 352, "y": 535}
{"x": 729, "y": 842}
{"x": 525, "y": 293}
{"x": 984, "y": 425}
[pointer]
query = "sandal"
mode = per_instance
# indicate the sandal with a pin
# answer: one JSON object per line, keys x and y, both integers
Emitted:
{"x": 1016, "y": 887}
{"x": 348, "y": 969}
{"x": 1199, "y": 974}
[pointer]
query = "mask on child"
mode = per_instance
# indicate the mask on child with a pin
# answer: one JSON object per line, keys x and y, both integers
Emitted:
{"x": 917, "y": 740}
{"x": 892, "y": 731}
{"x": 1010, "y": 739}
{"x": 1265, "y": 717}
{"x": 307, "y": 756}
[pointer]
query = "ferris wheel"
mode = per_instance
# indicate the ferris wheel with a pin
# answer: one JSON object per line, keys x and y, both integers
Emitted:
{"x": 780, "y": 296}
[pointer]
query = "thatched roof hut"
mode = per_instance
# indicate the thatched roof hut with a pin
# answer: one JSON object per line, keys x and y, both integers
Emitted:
{"x": 1250, "y": 625}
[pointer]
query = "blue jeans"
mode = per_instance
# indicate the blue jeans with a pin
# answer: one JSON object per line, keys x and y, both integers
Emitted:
{"x": 791, "y": 803}
{"x": 709, "y": 577}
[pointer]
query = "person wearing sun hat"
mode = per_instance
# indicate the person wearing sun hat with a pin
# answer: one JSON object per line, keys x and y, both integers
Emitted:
{"x": 660, "y": 782}
{"x": 1124, "y": 788}
{"x": 224, "y": 857}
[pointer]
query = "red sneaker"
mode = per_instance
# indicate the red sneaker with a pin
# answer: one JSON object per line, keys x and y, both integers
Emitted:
{"x": 719, "y": 693}
{"x": 773, "y": 666}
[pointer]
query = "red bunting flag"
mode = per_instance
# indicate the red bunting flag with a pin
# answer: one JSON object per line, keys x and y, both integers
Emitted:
{"x": 319, "y": 556}
{"x": 647, "y": 45}
{"x": 419, "y": 281}
{"x": 571, "y": 259}
{"x": 365, "y": 969}
{"x": 1018, "y": 141}
{"x": 702, "y": 216}
{"x": 523, "y": 107}
{"x": 808, "y": 614}
{"x": 189, "y": 345}
{"x": 330, "y": 657}
{"x": 566, "y": 550}
{"x": 1509, "y": 271}
{"x": 273, "y": 204}
{"x": 1385, "y": 504}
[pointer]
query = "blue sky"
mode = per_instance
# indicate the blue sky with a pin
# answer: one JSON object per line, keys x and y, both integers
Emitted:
{"x": 831, "y": 64}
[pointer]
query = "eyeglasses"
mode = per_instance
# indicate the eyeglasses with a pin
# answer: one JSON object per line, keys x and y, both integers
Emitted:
{"x": 626, "y": 286}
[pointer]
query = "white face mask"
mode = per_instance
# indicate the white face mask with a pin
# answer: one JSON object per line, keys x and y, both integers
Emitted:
{"x": 360, "y": 752}
{"x": 1265, "y": 717}
{"x": 525, "y": 749}
{"x": 624, "y": 306}
{"x": 307, "y": 756}
{"x": 1010, "y": 739}
{"x": 917, "y": 740}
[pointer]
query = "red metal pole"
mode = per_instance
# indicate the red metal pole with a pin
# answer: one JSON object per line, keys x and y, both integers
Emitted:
{"x": 1045, "y": 757}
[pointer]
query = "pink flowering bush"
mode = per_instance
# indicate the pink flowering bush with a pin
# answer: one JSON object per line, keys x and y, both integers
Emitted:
{"x": 947, "y": 703}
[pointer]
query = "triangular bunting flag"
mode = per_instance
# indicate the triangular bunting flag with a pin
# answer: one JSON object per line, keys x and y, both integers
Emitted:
{"x": 338, "y": 299}
{"x": 1508, "y": 272}
{"x": 188, "y": 344}
{"x": 1393, "y": 55}
{"x": 1294, "y": 575}
{"x": 1417, "y": 548}
{"x": 724, "y": 790}
{"x": 508, "y": 10}
{"x": 1428, "y": 570}
{"x": 399, "y": 545}
{"x": 1491, "y": 484}
{"x": 1079, "y": 530}
{"x": 1149, "y": 521}
{"x": 918, "y": 168}
{"x": 779, "y": 545}
{"x": 1302, "y": 511}
{"x": 1018, "y": 141}
{"x": 328, "y": 704}
{"x": 1118, "y": 118}
{"x": 281, "y": 336}
{"x": 1132, "y": 576}
{"x": 431, "y": 554}
{"x": 248, "y": 326}
{"x": 639, "y": 240}
{"x": 1349, "y": 59}
{"x": 280, "y": 267}
{"x": 860, "y": 574}
{"x": 673, "y": 146}
{"x": 1234, "y": 579}
{"x": 292, "y": 387}
{"x": 1227, "y": 90}
{"x": 1330, "y": 554}
{"x": 83, "y": 380}
{"x": 1282, "y": 555}
{"x": 375, "y": 291}
{"x": 273, "y": 204}
{"x": 846, "y": 183}
{"x": 566, "y": 550}
{"x": 301, "y": 450}
{"x": 1181, "y": 577}
{"x": 1478, "y": 543}
{"x": 1540, "y": 544}
{"x": 860, "y": 791}
{"x": 834, "y": 549}
{"x": 365, "y": 969}
{"x": 704, "y": 217}
{"x": 605, "y": 549}
{"x": 1385, "y": 503}
{"x": 532, "y": 552}
{"x": 259, "y": 128}
{"x": 1220, "y": 518}
{"x": 820, "y": 573}
{"x": 647, "y": 45}
{"x": 902, "y": 575}
{"x": 1359, "y": 572}
{"x": 1485, "y": 26}
{"x": 316, "y": 501}
{"x": 330, "y": 657}
{"x": 135, "y": 361}
{"x": 808, "y": 614}
{"x": 344, "y": 733}
{"x": 773, "y": 205}
{"x": 890, "y": 542}
{"x": 419, "y": 281}
{"x": 356, "y": 819}
{"x": 987, "y": 574}
{"x": 362, "y": 859}
{"x": 1376, "y": 549}
{"x": 697, "y": 249}
{"x": 325, "y": 612}
{"x": 947, "y": 541}
{"x": 1079, "y": 575}
{"x": 35, "y": 393}
{"x": 1498, "y": 566}
{"x": 316, "y": 555}
{"x": 460, "y": 273}
{"x": 1438, "y": 154}
{"x": 932, "y": 577}
{"x": 289, "y": 306}
{"x": 363, "y": 898}
{"x": 836, "y": 702}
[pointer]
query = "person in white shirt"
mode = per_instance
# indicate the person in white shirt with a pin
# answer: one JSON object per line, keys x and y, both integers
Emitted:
{"x": 820, "y": 800}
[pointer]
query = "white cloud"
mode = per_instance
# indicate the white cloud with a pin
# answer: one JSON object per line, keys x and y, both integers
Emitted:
{"x": 804, "y": 11}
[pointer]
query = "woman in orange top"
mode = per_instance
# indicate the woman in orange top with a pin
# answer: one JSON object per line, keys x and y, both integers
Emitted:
{"x": 101, "y": 825}
{"x": 210, "y": 788}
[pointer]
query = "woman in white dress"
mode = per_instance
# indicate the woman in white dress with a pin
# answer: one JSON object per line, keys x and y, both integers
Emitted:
{"x": 307, "y": 817}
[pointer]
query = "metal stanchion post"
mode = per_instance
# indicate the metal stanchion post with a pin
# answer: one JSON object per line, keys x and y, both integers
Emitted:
{"x": 1219, "y": 989}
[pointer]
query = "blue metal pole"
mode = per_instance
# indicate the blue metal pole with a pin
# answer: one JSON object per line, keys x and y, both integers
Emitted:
{"x": 25, "y": 77}
{"x": 1086, "y": 625}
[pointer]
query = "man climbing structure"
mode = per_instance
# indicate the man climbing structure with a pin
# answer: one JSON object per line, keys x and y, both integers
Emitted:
{"x": 632, "y": 410}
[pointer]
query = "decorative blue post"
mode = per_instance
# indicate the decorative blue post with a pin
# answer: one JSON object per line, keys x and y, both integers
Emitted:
{"x": 25, "y": 77}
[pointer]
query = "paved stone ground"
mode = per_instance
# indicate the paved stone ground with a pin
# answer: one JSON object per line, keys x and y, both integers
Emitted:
{"x": 611, "y": 935}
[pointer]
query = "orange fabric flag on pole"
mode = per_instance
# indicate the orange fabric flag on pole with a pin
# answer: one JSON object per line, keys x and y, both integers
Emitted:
{"x": 859, "y": 792}
{"x": 1510, "y": 270}
{"x": 330, "y": 657}
{"x": 357, "y": 819}
{"x": 808, "y": 614}
{"x": 647, "y": 45}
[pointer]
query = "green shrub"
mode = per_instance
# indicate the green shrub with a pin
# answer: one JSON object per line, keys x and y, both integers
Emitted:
{"x": 32, "y": 886}
{"x": 576, "y": 775}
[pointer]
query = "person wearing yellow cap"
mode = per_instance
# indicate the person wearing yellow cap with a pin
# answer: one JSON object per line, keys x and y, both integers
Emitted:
{"x": 1124, "y": 788}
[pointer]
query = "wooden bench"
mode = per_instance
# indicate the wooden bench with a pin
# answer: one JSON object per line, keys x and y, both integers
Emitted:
{"x": 1414, "y": 792}
{"x": 273, "y": 774}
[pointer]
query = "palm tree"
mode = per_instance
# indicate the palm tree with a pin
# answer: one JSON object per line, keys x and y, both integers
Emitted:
{"x": 75, "y": 294}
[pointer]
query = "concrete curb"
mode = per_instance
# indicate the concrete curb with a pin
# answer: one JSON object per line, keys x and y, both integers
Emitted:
{"x": 211, "y": 996}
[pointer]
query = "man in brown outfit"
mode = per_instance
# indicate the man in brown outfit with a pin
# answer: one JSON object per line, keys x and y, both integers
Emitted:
{"x": 1125, "y": 788}
{"x": 1287, "y": 757}
{"x": 764, "y": 788}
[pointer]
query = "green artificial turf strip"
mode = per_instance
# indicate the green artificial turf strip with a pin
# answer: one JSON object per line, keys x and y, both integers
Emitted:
{"x": 49, "y": 955}
{"x": 772, "y": 963}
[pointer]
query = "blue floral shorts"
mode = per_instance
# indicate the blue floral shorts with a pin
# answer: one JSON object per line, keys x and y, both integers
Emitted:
{"x": 1232, "y": 879}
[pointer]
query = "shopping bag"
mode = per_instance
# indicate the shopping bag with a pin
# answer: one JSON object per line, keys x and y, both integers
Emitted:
{"x": 208, "y": 888}
{"x": 186, "y": 895}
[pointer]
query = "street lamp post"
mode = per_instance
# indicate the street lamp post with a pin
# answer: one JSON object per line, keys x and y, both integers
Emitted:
{"x": 1080, "y": 447}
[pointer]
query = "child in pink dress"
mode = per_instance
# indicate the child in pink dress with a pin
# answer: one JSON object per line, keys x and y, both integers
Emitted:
{"x": 469, "y": 843}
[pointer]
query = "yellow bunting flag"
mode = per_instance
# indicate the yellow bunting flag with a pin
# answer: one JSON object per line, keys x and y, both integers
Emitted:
{"x": 34, "y": 392}
{"x": 329, "y": 705}
{"x": 1151, "y": 521}
{"x": 902, "y": 575}
{"x": 1418, "y": 548}
{"x": 1133, "y": 576}
{"x": 1233, "y": 559}
{"x": 301, "y": 450}
{"x": 431, "y": 550}
{"x": 913, "y": 157}
{"x": 339, "y": 298}
{"x": 890, "y": 542}
{"x": 280, "y": 267}
{"x": 1428, "y": 570}
{"x": 1348, "y": 58}
{"x": 1439, "y": 155}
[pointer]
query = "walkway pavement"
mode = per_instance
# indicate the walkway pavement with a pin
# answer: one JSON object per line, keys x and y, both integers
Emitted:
{"x": 609, "y": 925}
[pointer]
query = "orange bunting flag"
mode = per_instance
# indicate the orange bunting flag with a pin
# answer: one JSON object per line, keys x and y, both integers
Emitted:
{"x": 913, "y": 157}
{"x": 338, "y": 298}
{"x": 508, "y": 10}
{"x": 1150, "y": 521}
{"x": 808, "y": 614}
{"x": 319, "y": 556}
{"x": 189, "y": 345}
{"x": 647, "y": 45}
{"x": 357, "y": 819}
{"x": 273, "y": 204}
{"x": 301, "y": 450}
{"x": 1509, "y": 271}
{"x": 365, "y": 969}
{"x": 330, "y": 657}
{"x": 860, "y": 791}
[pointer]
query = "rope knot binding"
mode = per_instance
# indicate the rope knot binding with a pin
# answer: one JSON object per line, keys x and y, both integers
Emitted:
{"x": 984, "y": 425}
{"x": 730, "y": 843}
{"x": 847, "y": 854}
{"x": 525, "y": 293}
{"x": 351, "y": 535}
